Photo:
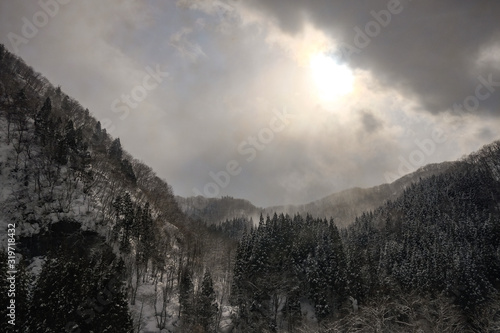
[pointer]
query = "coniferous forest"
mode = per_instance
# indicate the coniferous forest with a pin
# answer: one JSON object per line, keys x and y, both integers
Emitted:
{"x": 102, "y": 244}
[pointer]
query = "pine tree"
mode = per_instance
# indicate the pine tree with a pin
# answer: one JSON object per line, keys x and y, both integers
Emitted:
{"x": 145, "y": 234}
{"x": 70, "y": 135}
{"x": 61, "y": 153}
{"x": 73, "y": 295}
{"x": 128, "y": 171}
{"x": 115, "y": 150}
{"x": 241, "y": 274}
{"x": 98, "y": 138}
{"x": 207, "y": 307}
{"x": 125, "y": 215}
{"x": 186, "y": 298}
{"x": 112, "y": 298}
{"x": 293, "y": 311}
{"x": 59, "y": 290}
{"x": 43, "y": 122}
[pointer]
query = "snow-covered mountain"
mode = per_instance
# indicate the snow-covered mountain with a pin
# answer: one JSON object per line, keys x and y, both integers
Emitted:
{"x": 87, "y": 218}
{"x": 342, "y": 206}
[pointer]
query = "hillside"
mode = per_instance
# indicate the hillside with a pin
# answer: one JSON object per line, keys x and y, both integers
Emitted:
{"x": 342, "y": 206}
{"x": 216, "y": 210}
{"x": 346, "y": 205}
{"x": 428, "y": 261}
{"x": 88, "y": 220}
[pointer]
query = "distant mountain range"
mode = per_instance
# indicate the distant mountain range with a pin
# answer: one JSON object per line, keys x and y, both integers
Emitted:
{"x": 342, "y": 206}
{"x": 215, "y": 210}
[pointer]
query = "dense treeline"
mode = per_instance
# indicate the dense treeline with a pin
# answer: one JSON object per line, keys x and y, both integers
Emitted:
{"x": 437, "y": 245}
{"x": 283, "y": 261}
{"x": 441, "y": 235}
{"x": 75, "y": 291}
{"x": 232, "y": 228}
{"x": 216, "y": 210}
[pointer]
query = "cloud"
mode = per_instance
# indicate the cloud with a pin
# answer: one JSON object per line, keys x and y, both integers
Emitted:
{"x": 485, "y": 134}
{"x": 370, "y": 122}
{"x": 427, "y": 50}
{"x": 190, "y": 50}
{"x": 232, "y": 63}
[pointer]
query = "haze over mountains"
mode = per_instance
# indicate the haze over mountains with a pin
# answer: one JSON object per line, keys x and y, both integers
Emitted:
{"x": 343, "y": 206}
{"x": 223, "y": 69}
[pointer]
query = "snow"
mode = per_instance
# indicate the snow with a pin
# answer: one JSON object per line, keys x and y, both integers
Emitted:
{"x": 5, "y": 181}
{"x": 226, "y": 324}
{"x": 144, "y": 312}
{"x": 33, "y": 213}
{"x": 36, "y": 265}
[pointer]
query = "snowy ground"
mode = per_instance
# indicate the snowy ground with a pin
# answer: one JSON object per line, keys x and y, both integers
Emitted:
{"x": 5, "y": 181}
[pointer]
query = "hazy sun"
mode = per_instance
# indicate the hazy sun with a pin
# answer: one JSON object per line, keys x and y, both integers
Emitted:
{"x": 331, "y": 79}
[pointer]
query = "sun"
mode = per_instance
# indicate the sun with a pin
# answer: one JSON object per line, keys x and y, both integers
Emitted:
{"x": 331, "y": 79}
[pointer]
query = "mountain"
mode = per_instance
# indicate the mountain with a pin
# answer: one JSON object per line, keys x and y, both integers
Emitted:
{"x": 342, "y": 206}
{"x": 98, "y": 238}
{"x": 216, "y": 210}
{"x": 427, "y": 261}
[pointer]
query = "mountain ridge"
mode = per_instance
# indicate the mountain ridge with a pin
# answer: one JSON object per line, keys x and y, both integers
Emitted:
{"x": 342, "y": 206}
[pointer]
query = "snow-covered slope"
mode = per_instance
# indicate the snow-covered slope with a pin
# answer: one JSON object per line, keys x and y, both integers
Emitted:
{"x": 62, "y": 184}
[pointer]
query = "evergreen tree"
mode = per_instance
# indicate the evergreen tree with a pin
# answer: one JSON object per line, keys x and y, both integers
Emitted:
{"x": 125, "y": 215}
{"x": 60, "y": 288}
{"x": 293, "y": 312}
{"x": 71, "y": 295}
{"x": 186, "y": 298}
{"x": 70, "y": 135}
{"x": 144, "y": 231}
{"x": 282, "y": 261}
{"x": 61, "y": 153}
{"x": 98, "y": 138}
{"x": 43, "y": 122}
{"x": 115, "y": 150}
{"x": 111, "y": 297}
{"x": 207, "y": 307}
{"x": 128, "y": 171}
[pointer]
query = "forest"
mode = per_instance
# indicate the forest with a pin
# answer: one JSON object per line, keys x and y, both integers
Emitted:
{"x": 103, "y": 245}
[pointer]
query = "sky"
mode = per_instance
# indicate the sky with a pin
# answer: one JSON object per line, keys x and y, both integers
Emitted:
{"x": 274, "y": 101}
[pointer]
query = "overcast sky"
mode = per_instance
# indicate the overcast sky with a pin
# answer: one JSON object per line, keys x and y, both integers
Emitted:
{"x": 275, "y": 101}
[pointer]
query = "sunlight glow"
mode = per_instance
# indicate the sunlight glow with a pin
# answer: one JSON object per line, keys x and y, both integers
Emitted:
{"x": 332, "y": 80}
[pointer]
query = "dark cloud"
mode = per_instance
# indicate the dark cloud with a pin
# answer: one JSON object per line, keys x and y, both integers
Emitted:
{"x": 429, "y": 50}
{"x": 486, "y": 134}
{"x": 370, "y": 122}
